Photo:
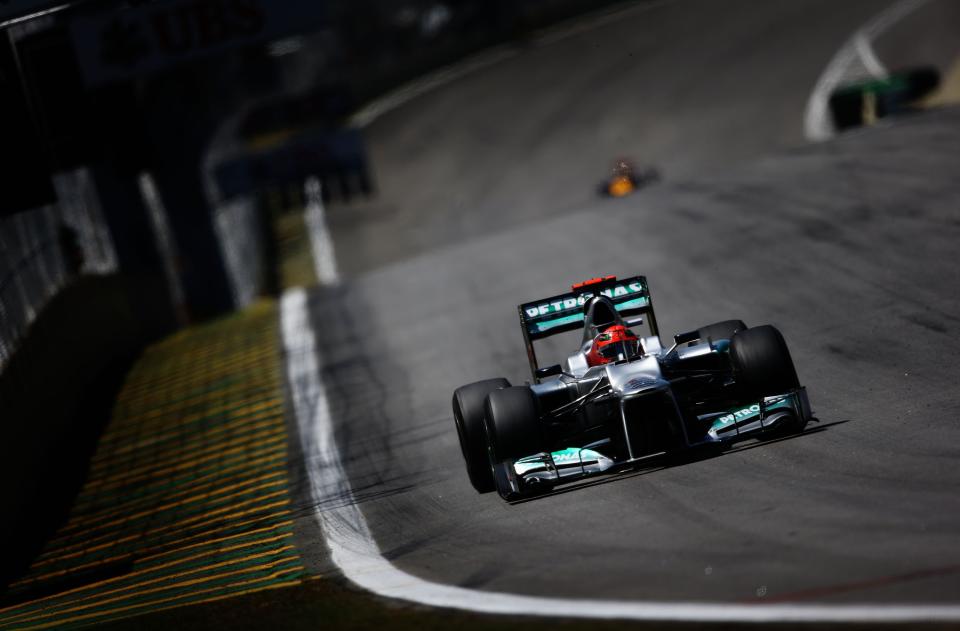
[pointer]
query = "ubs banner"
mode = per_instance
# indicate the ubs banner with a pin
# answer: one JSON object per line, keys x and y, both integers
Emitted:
{"x": 132, "y": 41}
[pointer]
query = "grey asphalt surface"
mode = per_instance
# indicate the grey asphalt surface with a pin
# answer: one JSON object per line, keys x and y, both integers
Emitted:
{"x": 487, "y": 200}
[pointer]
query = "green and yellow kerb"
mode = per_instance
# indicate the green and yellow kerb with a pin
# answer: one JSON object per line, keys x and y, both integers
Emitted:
{"x": 186, "y": 500}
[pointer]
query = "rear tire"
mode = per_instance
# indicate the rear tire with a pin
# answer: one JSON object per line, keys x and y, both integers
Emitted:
{"x": 469, "y": 410}
{"x": 721, "y": 330}
{"x": 513, "y": 431}
{"x": 762, "y": 363}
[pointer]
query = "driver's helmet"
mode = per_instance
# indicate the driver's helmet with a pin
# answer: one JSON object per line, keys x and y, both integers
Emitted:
{"x": 614, "y": 344}
{"x": 623, "y": 168}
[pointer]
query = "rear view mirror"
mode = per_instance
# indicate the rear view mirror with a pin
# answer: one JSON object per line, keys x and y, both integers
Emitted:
{"x": 633, "y": 321}
{"x": 683, "y": 338}
{"x": 549, "y": 371}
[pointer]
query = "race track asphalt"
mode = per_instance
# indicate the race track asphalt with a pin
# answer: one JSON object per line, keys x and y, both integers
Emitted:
{"x": 487, "y": 199}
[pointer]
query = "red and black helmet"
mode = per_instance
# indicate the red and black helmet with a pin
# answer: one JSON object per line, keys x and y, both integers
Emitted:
{"x": 613, "y": 344}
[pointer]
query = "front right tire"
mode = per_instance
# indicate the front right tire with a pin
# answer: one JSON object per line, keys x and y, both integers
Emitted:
{"x": 513, "y": 431}
{"x": 469, "y": 412}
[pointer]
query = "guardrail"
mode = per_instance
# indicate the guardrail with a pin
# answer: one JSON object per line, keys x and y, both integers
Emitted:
{"x": 32, "y": 269}
{"x": 43, "y": 248}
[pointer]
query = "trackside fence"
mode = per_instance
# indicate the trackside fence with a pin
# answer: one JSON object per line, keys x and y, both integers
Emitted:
{"x": 42, "y": 249}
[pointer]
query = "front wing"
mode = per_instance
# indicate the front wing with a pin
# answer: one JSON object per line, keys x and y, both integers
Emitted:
{"x": 545, "y": 470}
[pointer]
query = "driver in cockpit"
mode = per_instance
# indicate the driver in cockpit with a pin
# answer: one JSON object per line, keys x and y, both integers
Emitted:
{"x": 615, "y": 343}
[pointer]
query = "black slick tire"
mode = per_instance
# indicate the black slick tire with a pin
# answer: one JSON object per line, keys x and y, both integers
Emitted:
{"x": 513, "y": 431}
{"x": 468, "y": 415}
{"x": 762, "y": 363}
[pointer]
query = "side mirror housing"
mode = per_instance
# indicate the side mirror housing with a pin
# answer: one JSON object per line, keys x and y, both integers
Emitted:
{"x": 683, "y": 338}
{"x": 633, "y": 321}
{"x": 549, "y": 371}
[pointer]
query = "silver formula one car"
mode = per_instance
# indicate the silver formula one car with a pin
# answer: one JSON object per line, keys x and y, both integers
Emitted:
{"x": 622, "y": 400}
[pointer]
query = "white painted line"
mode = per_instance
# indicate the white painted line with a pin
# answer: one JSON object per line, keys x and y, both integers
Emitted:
{"x": 409, "y": 91}
{"x": 494, "y": 55}
{"x": 868, "y": 57}
{"x": 855, "y": 60}
{"x": 321, "y": 244}
{"x": 355, "y": 552}
{"x": 584, "y": 23}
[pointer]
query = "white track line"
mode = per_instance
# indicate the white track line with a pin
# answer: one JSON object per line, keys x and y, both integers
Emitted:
{"x": 869, "y": 58}
{"x": 494, "y": 55}
{"x": 855, "y": 59}
{"x": 321, "y": 244}
{"x": 355, "y": 552}
{"x": 409, "y": 91}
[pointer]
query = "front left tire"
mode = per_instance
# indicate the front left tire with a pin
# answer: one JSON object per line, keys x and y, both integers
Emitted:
{"x": 762, "y": 362}
{"x": 721, "y": 330}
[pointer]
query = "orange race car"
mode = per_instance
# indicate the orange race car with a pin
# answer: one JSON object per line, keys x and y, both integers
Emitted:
{"x": 626, "y": 179}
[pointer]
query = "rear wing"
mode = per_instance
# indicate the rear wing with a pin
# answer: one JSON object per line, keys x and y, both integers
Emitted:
{"x": 550, "y": 316}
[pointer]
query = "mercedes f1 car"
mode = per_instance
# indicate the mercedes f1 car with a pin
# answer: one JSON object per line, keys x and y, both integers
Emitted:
{"x": 622, "y": 400}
